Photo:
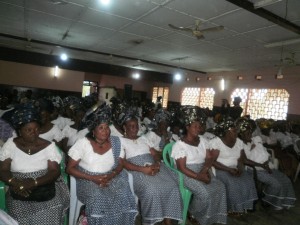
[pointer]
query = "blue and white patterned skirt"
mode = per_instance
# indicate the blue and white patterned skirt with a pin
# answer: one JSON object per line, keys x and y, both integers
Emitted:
{"x": 159, "y": 195}
{"x": 278, "y": 189}
{"x": 208, "y": 204}
{"x": 48, "y": 212}
{"x": 111, "y": 205}
{"x": 241, "y": 191}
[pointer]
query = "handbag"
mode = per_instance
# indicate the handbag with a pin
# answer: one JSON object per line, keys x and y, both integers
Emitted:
{"x": 40, "y": 194}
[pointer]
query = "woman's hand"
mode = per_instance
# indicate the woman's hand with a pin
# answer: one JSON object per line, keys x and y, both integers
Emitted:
{"x": 101, "y": 180}
{"x": 212, "y": 154}
{"x": 265, "y": 166}
{"x": 204, "y": 176}
{"x": 151, "y": 170}
{"x": 234, "y": 172}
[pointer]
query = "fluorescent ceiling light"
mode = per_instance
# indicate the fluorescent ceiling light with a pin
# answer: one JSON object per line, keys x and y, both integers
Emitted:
{"x": 264, "y": 3}
{"x": 282, "y": 43}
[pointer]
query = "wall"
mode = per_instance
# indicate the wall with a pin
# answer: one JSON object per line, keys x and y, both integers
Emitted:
{"x": 290, "y": 82}
{"x": 39, "y": 77}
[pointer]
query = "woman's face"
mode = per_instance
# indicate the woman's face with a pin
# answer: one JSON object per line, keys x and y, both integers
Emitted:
{"x": 246, "y": 136}
{"x": 194, "y": 128}
{"x": 30, "y": 131}
{"x": 131, "y": 128}
{"x": 231, "y": 135}
{"x": 102, "y": 131}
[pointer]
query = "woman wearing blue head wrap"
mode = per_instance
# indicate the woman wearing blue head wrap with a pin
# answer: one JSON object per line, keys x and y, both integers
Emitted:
{"x": 278, "y": 189}
{"x": 30, "y": 166}
{"x": 157, "y": 191}
{"x": 194, "y": 159}
{"x": 240, "y": 186}
{"x": 102, "y": 185}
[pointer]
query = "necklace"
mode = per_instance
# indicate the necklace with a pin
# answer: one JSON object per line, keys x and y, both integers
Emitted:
{"x": 29, "y": 152}
{"x": 100, "y": 144}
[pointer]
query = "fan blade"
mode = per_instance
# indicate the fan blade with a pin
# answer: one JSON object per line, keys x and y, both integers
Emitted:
{"x": 181, "y": 28}
{"x": 212, "y": 29}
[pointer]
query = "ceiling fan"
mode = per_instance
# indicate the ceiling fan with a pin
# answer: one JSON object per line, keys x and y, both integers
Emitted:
{"x": 288, "y": 61}
{"x": 196, "y": 31}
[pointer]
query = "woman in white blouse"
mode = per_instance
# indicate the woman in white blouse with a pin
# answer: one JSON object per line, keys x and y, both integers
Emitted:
{"x": 153, "y": 182}
{"x": 30, "y": 165}
{"x": 194, "y": 160}
{"x": 240, "y": 186}
{"x": 102, "y": 185}
{"x": 278, "y": 190}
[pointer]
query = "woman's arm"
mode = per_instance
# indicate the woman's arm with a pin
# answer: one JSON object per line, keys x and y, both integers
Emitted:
{"x": 150, "y": 170}
{"x": 24, "y": 186}
{"x": 203, "y": 175}
{"x": 251, "y": 163}
{"x": 101, "y": 180}
{"x": 220, "y": 166}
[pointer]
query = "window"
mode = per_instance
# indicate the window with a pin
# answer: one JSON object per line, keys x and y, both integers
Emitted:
{"x": 89, "y": 87}
{"x": 163, "y": 92}
{"x": 203, "y": 97}
{"x": 190, "y": 96}
{"x": 264, "y": 103}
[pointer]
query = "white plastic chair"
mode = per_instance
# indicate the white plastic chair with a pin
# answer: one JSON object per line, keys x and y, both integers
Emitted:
{"x": 75, "y": 204}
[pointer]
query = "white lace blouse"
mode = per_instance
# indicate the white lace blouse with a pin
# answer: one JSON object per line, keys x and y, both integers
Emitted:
{"x": 193, "y": 154}
{"x": 134, "y": 148}
{"x": 228, "y": 156}
{"x": 24, "y": 163}
{"x": 82, "y": 150}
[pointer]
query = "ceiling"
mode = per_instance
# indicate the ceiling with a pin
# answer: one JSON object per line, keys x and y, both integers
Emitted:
{"x": 135, "y": 33}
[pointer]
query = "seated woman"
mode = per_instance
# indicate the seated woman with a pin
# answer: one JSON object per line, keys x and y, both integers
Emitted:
{"x": 153, "y": 183}
{"x": 102, "y": 185}
{"x": 159, "y": 136}
{"x": 194, "y": 160}
{"x": 30, "y": 166}
{"x": 240, "y": 186}
{"x": 278, "y": 190}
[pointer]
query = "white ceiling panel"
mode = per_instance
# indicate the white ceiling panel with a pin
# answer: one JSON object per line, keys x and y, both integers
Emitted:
{"x": 143, "y": 29}
{"x": 237, "y": 42}
{"x": 70, "y": 11}
{"x": 272, "y": 34}
{"x": 246, "y": 21}
{"x": 200, "y": 9}
{"x": 103, "y": 19}
{"x": 163, "y": 16}
{"x": 139, "y": 29}
{"x": 132, "y": 9}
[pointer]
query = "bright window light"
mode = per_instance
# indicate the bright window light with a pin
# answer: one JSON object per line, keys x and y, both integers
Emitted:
{"x": 63, "y": 57}
{"x": 177, "y": 76}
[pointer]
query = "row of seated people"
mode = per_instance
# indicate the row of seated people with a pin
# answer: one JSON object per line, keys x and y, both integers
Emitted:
{"x": 29, "y": 162}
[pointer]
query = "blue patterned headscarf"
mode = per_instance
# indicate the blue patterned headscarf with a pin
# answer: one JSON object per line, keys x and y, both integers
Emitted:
{"x": 243, "y": 125}
{"x": 189, "y": 114}
{"x": 128, "y": 113}
{"x": 23, "y": 114}
{"x": 102, "y": 114}
{"x": 221, "y": 128}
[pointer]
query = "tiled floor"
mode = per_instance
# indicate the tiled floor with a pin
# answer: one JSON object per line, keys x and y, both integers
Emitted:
{"x": 266, "y": 216}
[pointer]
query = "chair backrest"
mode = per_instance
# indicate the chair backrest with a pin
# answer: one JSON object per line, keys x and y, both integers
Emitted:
{"x": 168, "y": 160}
{"x": 185, "y": 193}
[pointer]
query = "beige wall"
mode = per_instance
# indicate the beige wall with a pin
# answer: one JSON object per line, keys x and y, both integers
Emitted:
{"x": 290, "y": 82}
{"x": 40, "y": 77}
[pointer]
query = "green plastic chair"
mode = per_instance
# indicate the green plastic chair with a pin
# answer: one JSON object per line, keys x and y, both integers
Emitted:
{"x": 186, "y": 194}
{"x": 63, "y": 173}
